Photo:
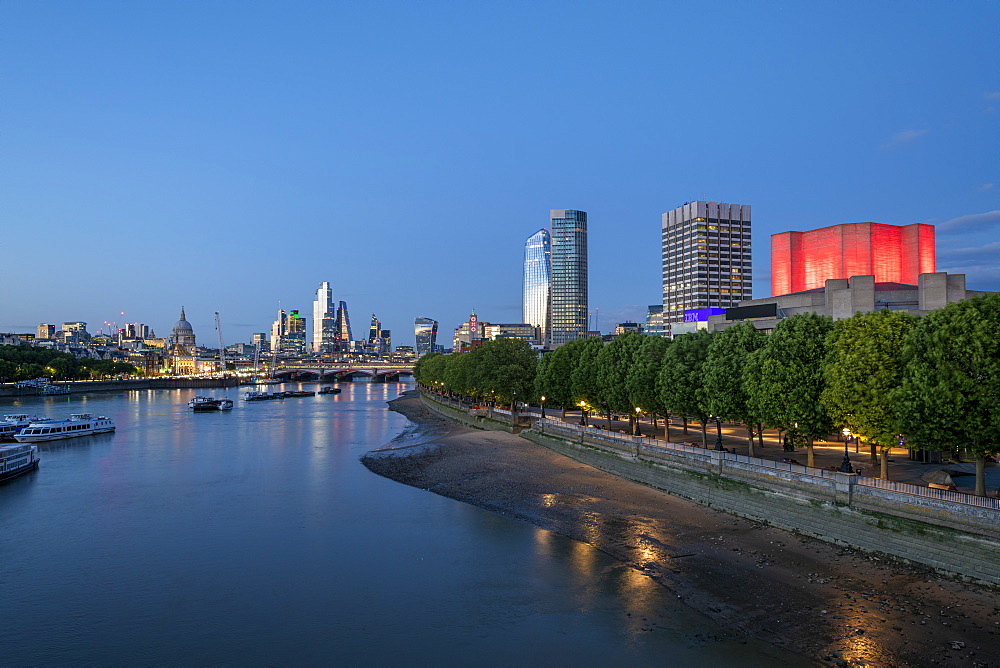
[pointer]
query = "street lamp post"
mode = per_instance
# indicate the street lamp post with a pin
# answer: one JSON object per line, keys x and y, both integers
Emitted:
{"x": 543, "y": 405}
{"x": 718, "y": 432}
{"x": 637, "y": 432}
{"x": 583, "y": 413}
{"x": 845, "y": 466}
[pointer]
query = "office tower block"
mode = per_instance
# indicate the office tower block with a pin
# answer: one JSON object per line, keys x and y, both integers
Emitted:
{"x": 537, "y": 285}
{"x": 374, "y": 329}
{"x": 342, "y": 327}
{"x": 891, "y": 253}
{"x": 46, "y": 331}
{"x": 425, "y": 333}
{"x": 324, "y": 319}
{"x": 706, "y": 258}
{"x": 569, "y": 299}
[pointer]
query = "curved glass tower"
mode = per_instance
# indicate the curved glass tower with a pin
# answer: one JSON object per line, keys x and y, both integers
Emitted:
{"x": 535, "y": 304}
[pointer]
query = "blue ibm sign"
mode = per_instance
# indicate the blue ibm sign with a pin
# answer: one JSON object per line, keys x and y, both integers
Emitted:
{"x": 701, "y": 314}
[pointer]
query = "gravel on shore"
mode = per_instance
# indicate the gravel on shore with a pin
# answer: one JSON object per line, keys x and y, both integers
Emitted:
{"x": 825, "y": 602}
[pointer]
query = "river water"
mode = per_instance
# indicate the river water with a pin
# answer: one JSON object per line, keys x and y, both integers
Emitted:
{"x": 257, "y": 537}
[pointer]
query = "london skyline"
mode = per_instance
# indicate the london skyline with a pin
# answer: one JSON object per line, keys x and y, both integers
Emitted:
{"x": 228, "y": 159}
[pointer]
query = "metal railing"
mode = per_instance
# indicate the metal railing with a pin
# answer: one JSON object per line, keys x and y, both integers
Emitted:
{"x": 930, "y": 492}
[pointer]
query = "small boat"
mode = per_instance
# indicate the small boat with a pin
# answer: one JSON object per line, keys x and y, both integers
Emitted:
{"x": 208, "y": 404}
{"x": 21, "y": 420}
{"x": 78, "y": 424}
{"x": 261, "y": 396}
{"x": 299, "y": 393}
{"x": 50, "y": 390}
{"x": 6, "y": 432}
{"x": 199, "y": 400}
{"x": 330, "y": 390}
{"x": 17, "y": 460}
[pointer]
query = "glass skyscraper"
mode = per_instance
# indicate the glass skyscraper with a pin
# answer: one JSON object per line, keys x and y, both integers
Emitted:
{"x": 537, "y": 288}
{"x": 569, "y": 276}
{"x": 425, "y": 331}
{"x": 324, "y": 319}
{"x": 706, "y": 258}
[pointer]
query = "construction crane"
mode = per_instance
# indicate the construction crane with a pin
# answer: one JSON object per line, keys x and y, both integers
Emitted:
{"x": 222, "y": 348}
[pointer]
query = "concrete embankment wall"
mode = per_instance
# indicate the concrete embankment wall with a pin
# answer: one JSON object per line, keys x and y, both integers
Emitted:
{"x": 83, "y": 387}
{"x": 823, "y": 510}
{"x": 491, "y": 422}
{"x": 950, "y": 537}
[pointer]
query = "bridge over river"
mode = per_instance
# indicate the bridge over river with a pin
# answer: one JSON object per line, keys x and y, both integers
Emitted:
{"x": 341, "y": 372}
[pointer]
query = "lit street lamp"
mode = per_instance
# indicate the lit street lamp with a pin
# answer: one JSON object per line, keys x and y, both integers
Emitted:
{"x": 637, "y": 432}
{"x": 583, "y": 413}
{"x": 845, "y": 466}
{"x": 543, "y": 405}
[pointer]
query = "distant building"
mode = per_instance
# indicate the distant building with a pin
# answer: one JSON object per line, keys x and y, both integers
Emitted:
{"x": 259, "y": 339}
{"x": 182, "y": 348}
{"x": 524, "y": 331}
{"x": 841, "y": 298}
{"x": 425, "y": 333}
{"x": 342, "y": 328}
{"x": 46, "y": 332}
{"x": 468, "y": 333}
{"x": 74, "y": 333}
{"x": 706, "y": 258}
{"x": 569, "y": 300}
{"x": 625, "y": 327}
{"x": 288, "y": 333}
{"x": 891, "y": 253}
{"x": 324, "y": 320}
{"x": 536, "y": 304}
{"x": 654, "y": 320}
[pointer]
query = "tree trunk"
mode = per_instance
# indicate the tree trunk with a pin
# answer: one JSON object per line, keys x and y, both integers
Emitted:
{"x": 883, "y": 464}
{"x": 704, "y": 434}
{"x": 980, "y": 474}
{"x": 583, "y": 413}
{"x": 750, "y": 449}
{"x": 760, "y": 435}
{"x": 874, "y": 454}
{"x": 685, "y": 423}
{"x": 666, "y": 427}
{"x": 810, "y": 455}
{"x": 631, "y": 423}
{"x": 609, "y": 419}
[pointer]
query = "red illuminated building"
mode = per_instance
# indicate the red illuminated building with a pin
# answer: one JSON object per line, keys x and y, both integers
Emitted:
{"x": 892, "y": 253}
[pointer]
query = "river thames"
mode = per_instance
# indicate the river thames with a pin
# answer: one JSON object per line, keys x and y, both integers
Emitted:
{"x": 256, "y": 537}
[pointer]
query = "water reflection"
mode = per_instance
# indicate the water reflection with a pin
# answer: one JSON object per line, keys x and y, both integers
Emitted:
{"x": 255, "y": 537}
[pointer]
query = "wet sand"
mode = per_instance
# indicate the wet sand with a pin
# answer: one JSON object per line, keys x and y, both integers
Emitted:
{"x": 824, "y": 602}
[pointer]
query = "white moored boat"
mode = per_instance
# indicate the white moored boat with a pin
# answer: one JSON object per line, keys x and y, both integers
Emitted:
{"x": 21, "y": 420}
{"x": 17, "y": 460}
{"x": 78, "y": 424}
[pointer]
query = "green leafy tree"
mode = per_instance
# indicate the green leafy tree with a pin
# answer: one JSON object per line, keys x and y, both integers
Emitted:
{"x": 642, "y": 377}
{"x": 784, "y": 379}
{"x": 614, "y": 363}
{"x": 458, "y": 375}
{"x": 505, "y": 369}
{"x": 728, "y": 354}
{"x": 583, "y": 379}
{"x": 863, "y": 366}
{"x": 681, "y": 379}
{"x": 554, "y": 380}
{"x": 950, "y": 392}
{"x": 429, "y": 369}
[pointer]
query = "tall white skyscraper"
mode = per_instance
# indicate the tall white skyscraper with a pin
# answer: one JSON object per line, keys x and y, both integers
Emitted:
{"x": 324, "y": 320}
{"x": 536, "y": 306}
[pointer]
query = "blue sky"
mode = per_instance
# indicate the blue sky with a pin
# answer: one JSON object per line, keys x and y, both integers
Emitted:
{"x": 228, "y": 156}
